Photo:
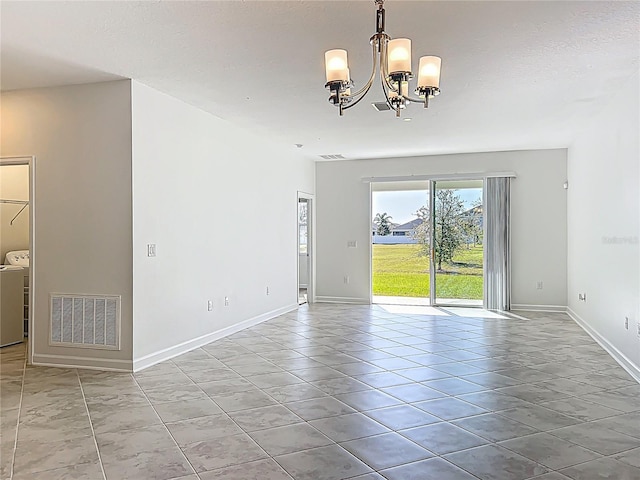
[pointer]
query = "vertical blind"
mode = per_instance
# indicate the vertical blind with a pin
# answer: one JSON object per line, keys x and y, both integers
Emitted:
{"x": 497, "y": 284}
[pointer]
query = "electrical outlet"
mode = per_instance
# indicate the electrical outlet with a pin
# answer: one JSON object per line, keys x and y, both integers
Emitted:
{"x": 346, "y": 279}
{"x": 267, "y": 290}
{"x": 226, "y": 301}
{"x": 582, "y": 297}
{"x": 352, "y": 244}
{"x": 638, "y": 329}
{"x": 539, "y": 285}
{"x": 626, "y": 323}
{"x": 209, "y": 305}
{"x": 151, "y": 250}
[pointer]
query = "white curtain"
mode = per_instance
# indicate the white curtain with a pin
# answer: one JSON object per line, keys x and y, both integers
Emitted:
{"x": 497, "y": 284}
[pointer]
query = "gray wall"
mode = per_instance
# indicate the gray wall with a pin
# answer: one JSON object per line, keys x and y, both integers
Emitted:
{"x": 220, "y": 203}
{"x": 81, "y": 138}
{"x": 604, "y": 226}
{"x": 538, "y": 207}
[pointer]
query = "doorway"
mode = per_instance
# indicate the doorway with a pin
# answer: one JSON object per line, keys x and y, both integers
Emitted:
{"x": 17, "y": 250}
{"x": 428, "y": 242}
{"x": 457, "y": 241}
{"x": 400, "y": 266}
{"x": 305, "y": 248}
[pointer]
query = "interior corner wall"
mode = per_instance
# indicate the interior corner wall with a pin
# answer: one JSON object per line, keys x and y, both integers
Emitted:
{"x": 14, "y": 185}
{"x": 220, "y": 204}
{"x": 604, "y": 226}
{"x": 538, "y": 220}
{"x": 81, "y": 138}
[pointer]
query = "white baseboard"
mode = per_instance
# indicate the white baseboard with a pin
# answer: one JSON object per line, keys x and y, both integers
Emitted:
{"x": 184, "y": 347}
{"x": 68, "y": 361}
{"x": 539, "y": 308}
{"x": 631, "y": 368}
{"x": 350, "y": 300}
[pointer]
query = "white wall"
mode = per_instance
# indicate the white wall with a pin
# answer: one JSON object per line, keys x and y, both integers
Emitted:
{"x": 196, "y": 179}
{"x": 81, "y": 137}
{"x": 538, "y": 213}
{"x": 603, "y": 226}
{"x": 14, "y": 185}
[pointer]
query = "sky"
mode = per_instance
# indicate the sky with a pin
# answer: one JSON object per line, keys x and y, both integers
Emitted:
{"x": 402, "y": 205}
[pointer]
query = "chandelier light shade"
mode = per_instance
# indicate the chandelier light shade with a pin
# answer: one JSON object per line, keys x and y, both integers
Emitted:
{"x": 392, "y": 61}
{"x": 429, "y": 72}
{"x": 336, "y": 65}
{"x": 399, "y": 60}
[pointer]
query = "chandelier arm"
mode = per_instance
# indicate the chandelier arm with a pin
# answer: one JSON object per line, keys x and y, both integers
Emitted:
{"x": 414, "y": 100}
{"x": 384, "y": 74}
{"x": 354, "y": 103}
{"x": 367, "y": 85}
{"x": 384, "y": 90}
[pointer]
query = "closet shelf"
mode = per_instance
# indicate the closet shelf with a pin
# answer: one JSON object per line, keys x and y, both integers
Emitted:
{"x": 24, "y": 203}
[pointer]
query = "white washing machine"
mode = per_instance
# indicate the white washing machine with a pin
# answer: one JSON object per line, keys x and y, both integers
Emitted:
{"x": 11, "y": 305}
{"x": 17, "y": 257}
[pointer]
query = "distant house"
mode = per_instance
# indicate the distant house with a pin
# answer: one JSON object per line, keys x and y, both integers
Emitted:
{"x": 400, "y": 234}
{"x": 473, "y": 213}
{"x": 406, "y": 229}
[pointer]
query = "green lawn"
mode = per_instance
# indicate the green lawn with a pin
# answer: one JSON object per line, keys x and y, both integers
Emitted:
{"x": 400, "y": 271}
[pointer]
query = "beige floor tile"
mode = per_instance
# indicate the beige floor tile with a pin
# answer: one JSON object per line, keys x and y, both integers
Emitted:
{"x": 36, "y": 456}
{"x": 162, "y": 464}
{"x": 456, "y": 386}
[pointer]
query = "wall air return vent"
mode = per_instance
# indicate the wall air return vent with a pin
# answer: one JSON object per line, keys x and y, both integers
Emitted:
{"x": 336, "y": 156}
{"x": 86, "y": 321}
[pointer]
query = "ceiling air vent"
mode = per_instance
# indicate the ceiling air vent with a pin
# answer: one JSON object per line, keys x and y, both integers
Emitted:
{"x": 381, "y": 106}
{"x": 336, "y": 156}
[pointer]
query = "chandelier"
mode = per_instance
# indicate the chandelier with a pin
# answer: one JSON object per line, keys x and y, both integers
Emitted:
{"x": 392, "y": 59}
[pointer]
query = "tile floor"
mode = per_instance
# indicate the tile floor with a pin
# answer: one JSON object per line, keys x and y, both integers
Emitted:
{"x": 337, "y": 392}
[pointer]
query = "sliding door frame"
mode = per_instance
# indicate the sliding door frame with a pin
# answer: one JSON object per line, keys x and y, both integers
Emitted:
{"x": 432, "y": 179}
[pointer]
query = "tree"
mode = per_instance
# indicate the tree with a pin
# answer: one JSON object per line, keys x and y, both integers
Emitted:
{"x": 471, "y": 222}
{"x": 382, "y": 222}
{"x": 302, "y": 213}
{"x": 449, "y": 233}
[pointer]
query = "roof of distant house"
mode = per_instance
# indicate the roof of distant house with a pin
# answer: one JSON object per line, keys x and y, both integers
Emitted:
{"x": 409, "y": 225}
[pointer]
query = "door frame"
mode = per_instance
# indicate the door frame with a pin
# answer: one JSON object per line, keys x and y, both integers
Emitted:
{"x": 311, "y": 291}
{"x": 431, "y": 179}
{"x": 31, "y": 162}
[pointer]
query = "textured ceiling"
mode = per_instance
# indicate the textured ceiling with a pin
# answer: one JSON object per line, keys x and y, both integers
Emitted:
{"x": 515, "y": 75}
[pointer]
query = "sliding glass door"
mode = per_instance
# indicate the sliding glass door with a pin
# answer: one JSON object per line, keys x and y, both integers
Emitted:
{"x": 400, "y": 254}
{"x": 428, "y": 243}
{"x": 457, "y": 242}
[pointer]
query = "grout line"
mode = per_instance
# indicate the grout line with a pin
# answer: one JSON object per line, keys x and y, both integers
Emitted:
{"x": 93, "y": 433}
{"x": 334, "y": 443}
{"x": 165, "y": 425}
{"x": 513, "y": 356}
{"x": 222, "y": 412}
{"x": 485, "y": 388}
{"x": 15, "y": 440}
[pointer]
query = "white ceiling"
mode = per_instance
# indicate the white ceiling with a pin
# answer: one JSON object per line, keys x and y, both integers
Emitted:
{"x": 515, "y": 75}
